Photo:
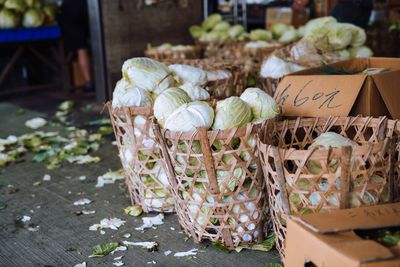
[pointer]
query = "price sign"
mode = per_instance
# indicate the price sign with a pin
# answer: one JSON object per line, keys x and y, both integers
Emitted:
{"x": 318, "y": 95}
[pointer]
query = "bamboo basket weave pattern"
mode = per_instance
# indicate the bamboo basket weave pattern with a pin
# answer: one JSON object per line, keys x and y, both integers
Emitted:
{"x": 141, "y": 159}
{"x": 221, "y": 50}
{"x": 216, "y": 183}
{"x": 301, "y": 181}
{"x": 188, "y": 53}
{"x": 234, "y": 85}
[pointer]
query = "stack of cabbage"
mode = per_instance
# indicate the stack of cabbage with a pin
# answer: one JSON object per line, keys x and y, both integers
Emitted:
{"x": 323, "y": 40}
{"x": 175, "y": 110}
{"x": 28, "y": 13}
{"x": 215, "y": 29}
{"x": 177, "y": 92}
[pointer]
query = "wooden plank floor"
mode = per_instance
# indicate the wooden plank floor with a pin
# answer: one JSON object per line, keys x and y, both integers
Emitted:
{"x": 63, "y": 238}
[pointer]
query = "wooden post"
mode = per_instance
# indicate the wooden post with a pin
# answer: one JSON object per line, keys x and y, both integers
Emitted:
{"x": 167, "y": 159}
{"x": 393, "y": 182}
{"x": 345, "y": 178}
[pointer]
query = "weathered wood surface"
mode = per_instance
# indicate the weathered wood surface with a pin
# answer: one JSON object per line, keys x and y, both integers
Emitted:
{"x": 64, "y": 238}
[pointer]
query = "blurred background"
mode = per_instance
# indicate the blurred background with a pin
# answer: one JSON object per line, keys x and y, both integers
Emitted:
{"x": 75, "y": 49}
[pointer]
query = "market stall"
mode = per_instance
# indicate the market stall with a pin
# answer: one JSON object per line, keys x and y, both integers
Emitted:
{"x": 228, "y": 133}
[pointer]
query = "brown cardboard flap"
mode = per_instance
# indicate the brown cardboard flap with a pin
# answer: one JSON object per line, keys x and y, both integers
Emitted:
{"x": 349, "y": 219}
{"x": 388, "y": 84}
{"x": 363, "y": 250}
{"x": 313, "y": 95}
{"x": 356, "y": 64}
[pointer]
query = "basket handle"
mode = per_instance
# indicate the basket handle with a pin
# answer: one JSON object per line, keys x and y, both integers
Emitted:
{"x": 208, "y": 161}
{"x": 345, "y": 163}
{"x": 160, "y": 139}
{"x": 212, "y": 178}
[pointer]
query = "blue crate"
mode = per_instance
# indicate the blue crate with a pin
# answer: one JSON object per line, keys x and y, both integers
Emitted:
{"x": 29, "y": 34}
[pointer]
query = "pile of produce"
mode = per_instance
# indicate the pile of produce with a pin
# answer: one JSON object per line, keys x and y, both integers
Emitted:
{"x": 26, "y": 13}
{"x": 214, "y": 28}
{"x": 324, "y": 40}
{"x": 180, "y": 103}
{"x": 55, "y": 148}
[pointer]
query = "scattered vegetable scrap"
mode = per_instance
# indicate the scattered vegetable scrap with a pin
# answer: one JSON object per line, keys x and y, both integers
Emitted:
{"x": 148, "y": 222}
{"x": 110, "y": 177}
{"x": 103, "y": 249}
{"x": 134, "y": 210}
{"x": 82, "y": 201}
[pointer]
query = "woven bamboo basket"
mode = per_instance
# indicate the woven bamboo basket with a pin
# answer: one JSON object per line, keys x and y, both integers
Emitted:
{"x": 233, "y": 85}
{"x": 222, "y": 50}
{"x": 301, "y": 181}
{"x": 216, "y": 183}
{"x": 193, "y": 52}
{"x": 141, "y": 159}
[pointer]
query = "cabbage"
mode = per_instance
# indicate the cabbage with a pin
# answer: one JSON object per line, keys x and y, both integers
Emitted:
{"x": 340, "y": 36}
{"x": 189, "y": 74}
{"x": 331, "y": 139}
{"x": 232, "y": 112}
{"x": 288, "y": 36}
{"x": 127, "y": 95}
{"x": 196, "y": 31}
{"x": 147, "y": 74}
{"x": 8, "y": 19}
{"x": 34, "y": 3}
{"x": 164, "y": 47}
{"x": 33, "y": 18}
{"x": 195, "y": 92}
{"x": 305, "y": 52}
{"x": 260, "y": 35}
{"x": 262, "y": 105}
{"x": 50, "y": 12}
{"x": 301, "y": 31}
{"x": 359, "y": 37}
{"x": 278, "y": 29}
{"x": 319, "y": 26}
{"x": 210, "y": 36}
{"x": 16, "y": 5}
{"x": 211, "y": 21}
{"x": 343, "y": 54}
{"x": 167, "y": 102}
{"x": 258, "y": 44}
{"x": 235, "y": 31}
{"x": 190, "y": 116}
{"x": 214, "y": 75}
{"x": 222, "y": 26}
{"x": 275, "y": 67}
{"x": 361, "y": 51}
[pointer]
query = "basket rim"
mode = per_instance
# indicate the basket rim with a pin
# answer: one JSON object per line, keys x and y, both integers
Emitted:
{"x": 154, "y": 51}
{"x": 144, "y": 111}
{"x": 214, "y": 134}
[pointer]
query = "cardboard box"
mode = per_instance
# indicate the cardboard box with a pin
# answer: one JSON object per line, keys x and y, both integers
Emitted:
{"x": 330, "y": 240}
{"x": 311, "y": 93}
{"x": 285, "y": 15}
